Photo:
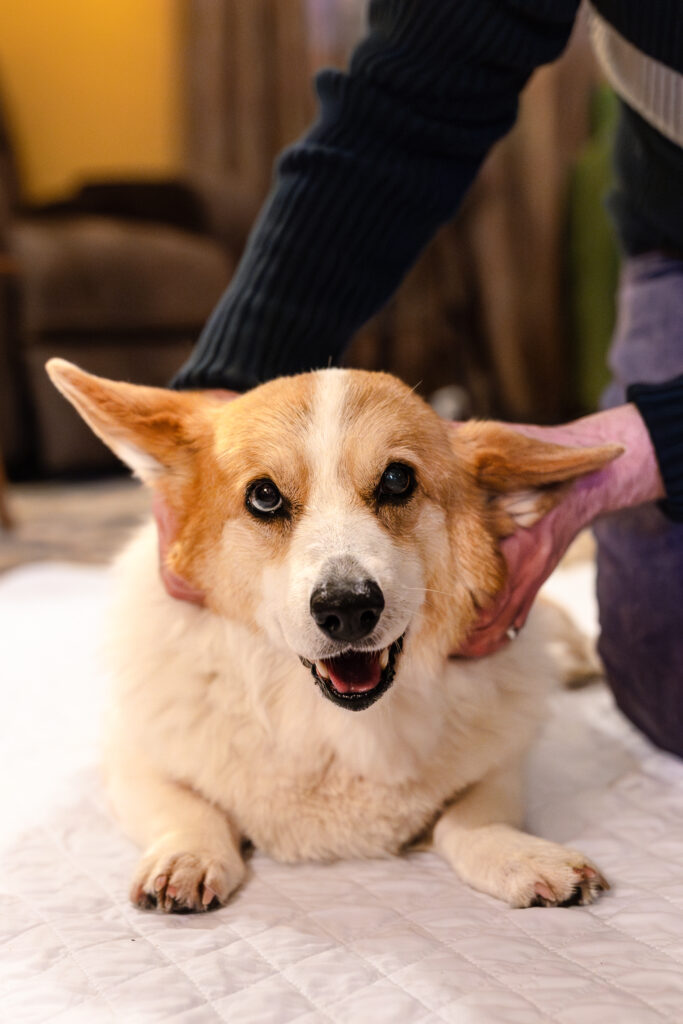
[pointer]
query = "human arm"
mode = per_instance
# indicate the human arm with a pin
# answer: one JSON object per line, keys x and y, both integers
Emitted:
{"x": 399, "y": 138}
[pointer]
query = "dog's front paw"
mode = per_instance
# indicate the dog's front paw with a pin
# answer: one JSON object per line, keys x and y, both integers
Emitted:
{"x": 549, "y": 875}
{"x": 182, "y": 880}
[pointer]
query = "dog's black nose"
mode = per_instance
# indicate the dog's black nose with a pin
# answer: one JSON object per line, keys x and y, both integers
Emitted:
{"x": 347, "y": 609}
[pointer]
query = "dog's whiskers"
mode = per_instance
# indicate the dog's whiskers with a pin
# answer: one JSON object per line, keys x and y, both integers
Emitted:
{"x": 412, "y": 390}
{"x": 432, "y": 590}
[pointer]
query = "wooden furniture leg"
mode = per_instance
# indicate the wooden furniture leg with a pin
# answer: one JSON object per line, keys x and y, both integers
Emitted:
{"x": 5, "y": 517}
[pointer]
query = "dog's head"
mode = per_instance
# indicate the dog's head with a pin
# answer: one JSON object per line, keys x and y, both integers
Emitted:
{"x": 334, "y": 511}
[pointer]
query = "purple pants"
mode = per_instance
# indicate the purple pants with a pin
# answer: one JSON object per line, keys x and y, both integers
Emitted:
{"x": 640, "y": 551}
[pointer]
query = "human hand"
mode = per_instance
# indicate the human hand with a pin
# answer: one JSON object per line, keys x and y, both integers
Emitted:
{"x": 532, "y": 554}
{"x": 530, "y": 557}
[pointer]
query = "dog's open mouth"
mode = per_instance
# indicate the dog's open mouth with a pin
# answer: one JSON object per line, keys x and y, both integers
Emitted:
{"x": 356, "y": 679}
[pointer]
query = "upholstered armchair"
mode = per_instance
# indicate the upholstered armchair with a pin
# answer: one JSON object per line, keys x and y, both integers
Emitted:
{"x": 120, "y": 278}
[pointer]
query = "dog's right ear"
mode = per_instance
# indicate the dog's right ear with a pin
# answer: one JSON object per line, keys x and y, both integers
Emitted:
{"x": 153, "y": 430}
{"x": 522, "y": 478}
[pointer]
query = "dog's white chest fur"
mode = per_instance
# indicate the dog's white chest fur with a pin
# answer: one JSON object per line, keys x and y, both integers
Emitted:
{"x": 214, "y": 706}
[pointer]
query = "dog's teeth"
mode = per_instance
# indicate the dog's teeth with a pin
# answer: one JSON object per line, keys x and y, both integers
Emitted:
{"x": 384, "y": 658}
{"x": 321, "y": 670}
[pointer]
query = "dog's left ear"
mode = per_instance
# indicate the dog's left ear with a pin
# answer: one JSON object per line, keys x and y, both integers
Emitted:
{"x": 522, "y": 477}
{"x": 152, "y": 430}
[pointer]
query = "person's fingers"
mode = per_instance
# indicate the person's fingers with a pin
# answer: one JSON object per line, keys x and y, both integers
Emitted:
{"x": 530, "y": 555}
{"x": 480, "y": 647}
{"x": 491, "y": 631}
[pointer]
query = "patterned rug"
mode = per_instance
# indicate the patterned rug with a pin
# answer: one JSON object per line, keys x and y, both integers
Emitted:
{"x": 84, "y": 522}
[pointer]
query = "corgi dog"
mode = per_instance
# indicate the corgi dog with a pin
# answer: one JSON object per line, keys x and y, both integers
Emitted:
{"x": 340, "y": 540}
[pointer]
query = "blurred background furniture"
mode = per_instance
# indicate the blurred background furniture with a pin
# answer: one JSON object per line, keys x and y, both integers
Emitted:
{"x": 8, "y": 416}
{"x": 120, "y": 278}
{"x": 247, "y": 71}
{"x": 5, "y": 517}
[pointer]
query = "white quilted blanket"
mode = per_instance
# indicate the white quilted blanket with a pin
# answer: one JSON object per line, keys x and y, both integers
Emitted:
{"x": 392, "y": 941}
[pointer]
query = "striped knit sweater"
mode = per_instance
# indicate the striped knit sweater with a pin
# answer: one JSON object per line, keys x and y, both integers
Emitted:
{"x": 398, "y": 140}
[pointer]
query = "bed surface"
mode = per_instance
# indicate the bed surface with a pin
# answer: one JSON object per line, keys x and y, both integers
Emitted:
{"x": 384, "y": 941}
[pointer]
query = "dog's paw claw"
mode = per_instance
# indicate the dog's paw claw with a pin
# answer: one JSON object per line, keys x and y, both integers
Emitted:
{"x": 180, "y": 883}
{"x": 143, "y": 900}
{"x": 543, "y": 892}
{"x": 579, "y": 886}
{"x": 209, "y": 896}
{"x": 538, "y": 873}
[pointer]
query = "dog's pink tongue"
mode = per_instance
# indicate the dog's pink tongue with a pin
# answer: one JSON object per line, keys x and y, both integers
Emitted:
{"x": 354, "y": 673}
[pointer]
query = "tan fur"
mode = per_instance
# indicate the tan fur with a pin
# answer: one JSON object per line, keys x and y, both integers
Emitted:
{"x": 219, "y": 734}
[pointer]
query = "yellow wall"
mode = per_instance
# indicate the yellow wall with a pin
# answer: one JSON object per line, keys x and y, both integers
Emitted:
{"x": 92, "y": 88}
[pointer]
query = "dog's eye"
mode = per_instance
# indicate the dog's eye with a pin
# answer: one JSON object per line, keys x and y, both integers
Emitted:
{"x": 263, "y": 498}
{"x": 398, "y": 481}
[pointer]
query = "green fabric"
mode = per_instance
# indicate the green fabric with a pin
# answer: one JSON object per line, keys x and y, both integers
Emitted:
{"x": 593, "y": 256}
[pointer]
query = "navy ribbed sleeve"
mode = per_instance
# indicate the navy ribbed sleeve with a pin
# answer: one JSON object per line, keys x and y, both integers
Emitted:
{"x": 398, "y": 141}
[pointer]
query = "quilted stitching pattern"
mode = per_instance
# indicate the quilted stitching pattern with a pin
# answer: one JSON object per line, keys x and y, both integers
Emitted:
{"x": 381, "y": 941}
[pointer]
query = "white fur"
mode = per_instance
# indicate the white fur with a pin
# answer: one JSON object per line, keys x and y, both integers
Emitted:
{"x": 212, "y": 704}
{"x": 145, "y": 467}
{"x": 333, "y": 529}
{"x": 218, "y": 733}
